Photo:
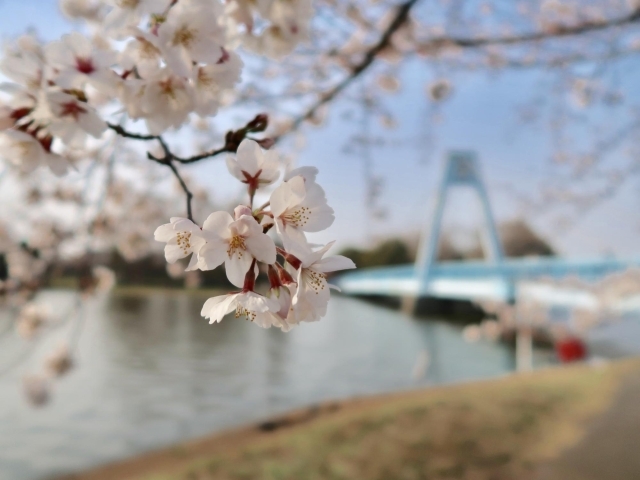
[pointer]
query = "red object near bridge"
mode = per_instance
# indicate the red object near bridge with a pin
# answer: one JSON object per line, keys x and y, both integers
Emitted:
{"x": 571, "y": 349}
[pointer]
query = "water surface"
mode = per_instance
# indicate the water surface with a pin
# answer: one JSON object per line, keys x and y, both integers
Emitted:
{"x": 153, "y": 372}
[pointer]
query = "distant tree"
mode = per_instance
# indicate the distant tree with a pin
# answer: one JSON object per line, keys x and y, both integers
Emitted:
{"x": 389, "y": 252}
{"x": 518, "y": 240}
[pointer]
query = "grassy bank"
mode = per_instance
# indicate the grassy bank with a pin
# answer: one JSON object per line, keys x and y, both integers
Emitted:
{"x": 499, "y": 429}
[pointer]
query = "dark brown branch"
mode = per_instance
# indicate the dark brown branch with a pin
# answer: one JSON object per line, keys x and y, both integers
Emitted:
{"x": 168, "y": 161}
{"x": 232, "y": 141}
{"x": 185, "y": 189}
{"x": 136, "y": 136}
{"x": 202, "y": 156}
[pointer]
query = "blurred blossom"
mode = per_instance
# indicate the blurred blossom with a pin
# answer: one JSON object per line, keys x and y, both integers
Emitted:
{"x": 439, "y": 90}
{"x": 59, "y": 361}
{"x": 472, "y": 333}
{"x": 30, "y": 319}
{"x": 387, "y": 82}
{"x": 491, "y": 329}
{"x": 37, "y": 389}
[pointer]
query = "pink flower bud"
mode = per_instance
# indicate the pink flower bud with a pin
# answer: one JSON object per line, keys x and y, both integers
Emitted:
{"x": 242, "y": 210}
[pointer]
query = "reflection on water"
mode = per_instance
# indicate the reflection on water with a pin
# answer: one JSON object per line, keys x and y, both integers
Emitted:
{"x": 154, "y": 372}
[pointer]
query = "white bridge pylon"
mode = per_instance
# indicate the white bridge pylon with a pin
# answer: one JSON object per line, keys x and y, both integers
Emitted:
{"x": 461, "y": 169}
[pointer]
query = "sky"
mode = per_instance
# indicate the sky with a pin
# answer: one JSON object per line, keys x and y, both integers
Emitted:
{"x": 480, "y": 116}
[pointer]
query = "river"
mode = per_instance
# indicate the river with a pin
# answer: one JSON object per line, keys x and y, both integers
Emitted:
{"x": 152, "y": 372}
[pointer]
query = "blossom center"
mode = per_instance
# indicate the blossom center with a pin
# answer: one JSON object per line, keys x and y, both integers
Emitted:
{"x": 298, "y": 217}
{"x": 130, "y": 4}
{"x": 167, "y": 88}
{"x": 243, "y": 312}
{"x": 184, "y": 36}
{"x": 147, "y": 49}
{"x": 236, "y": 245}
{"x": 72, "y": 109}
{"x": 183, "y": 240}
{"x": 316, "y": 280}
{"x": 85, "y": 65}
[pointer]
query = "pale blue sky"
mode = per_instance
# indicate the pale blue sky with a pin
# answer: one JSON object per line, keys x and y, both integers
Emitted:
{"x": 480, "y": 116}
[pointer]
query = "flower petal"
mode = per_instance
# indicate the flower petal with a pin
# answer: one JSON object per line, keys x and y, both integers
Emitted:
{"x": 164, "y": 232}
{"x": 262, "y": 248}
{"x": 249, "y": 156}
{"x": 215, "y": 308}
{"x": 234, "y": 168}
{"x": 173, "y": 253}
{"x": 212, "y": 254}
{"x": 218, "y": 223}
{"x": 333, "y": 263}
{"x": 237, "y": 268}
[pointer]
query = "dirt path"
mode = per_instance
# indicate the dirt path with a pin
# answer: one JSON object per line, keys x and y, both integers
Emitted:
{"x": 611, "y": 448}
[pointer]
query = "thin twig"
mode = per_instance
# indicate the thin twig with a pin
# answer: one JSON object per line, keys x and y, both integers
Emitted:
{"x": 202, "y": 156}
{"x": 186, "y": 190}
{"x": 137, "y": 136}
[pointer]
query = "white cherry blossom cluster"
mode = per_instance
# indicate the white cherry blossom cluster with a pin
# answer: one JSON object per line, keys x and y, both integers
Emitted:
{"x": 159, "y": 61}
{"x": 298, "y": 291}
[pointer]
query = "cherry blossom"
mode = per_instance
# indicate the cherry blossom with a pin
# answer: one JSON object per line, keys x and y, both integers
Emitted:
{"x": 28, "y": 152}
{"x": 312, "y": 295}
{"x": 165, "y": 101}
{"x": 254, "y": 167}
{"x": 24, "y": 63}
{"x": 68, "y": 118}
{"x": 192, "y": 33}
{"x": 282, "y": 290}
{"x": 130, "y": 12}
{"x": 300, "y": 206}
{"x": 77, "y": 62}
{"x": 251, "y": 305}
{"x": 142, "y": 53}
{"x": 210, "y": 81}
{"x": 236, "y": 243}
{"x": 182, "y": 237}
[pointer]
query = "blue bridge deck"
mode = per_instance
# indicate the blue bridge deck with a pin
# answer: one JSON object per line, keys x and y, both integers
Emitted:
{"x": 473, "y": 279}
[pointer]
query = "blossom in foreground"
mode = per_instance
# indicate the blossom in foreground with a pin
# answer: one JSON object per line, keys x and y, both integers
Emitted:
{"x": 236, "y": 243}
{"x": 142, "y": 53}
{"x": 310, "y": 268}
{"x": 69, "y": 119}
{"x": 165, "y": 101}
{"x": 299, "y": 206}
{"x": 182, "y": 238}
{"x": 192, "y": 33}
{"x": 253, "y": 306}
{"x": 254, "y": 167}
{"x": 78, "y": 62}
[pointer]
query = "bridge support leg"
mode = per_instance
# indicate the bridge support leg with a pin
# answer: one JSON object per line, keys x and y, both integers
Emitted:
{"x": 524, "y": 350}
{"x": 408, "y": 304}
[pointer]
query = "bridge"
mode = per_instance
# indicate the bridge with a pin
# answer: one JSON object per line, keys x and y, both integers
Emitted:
{"x": 497, "y": 278}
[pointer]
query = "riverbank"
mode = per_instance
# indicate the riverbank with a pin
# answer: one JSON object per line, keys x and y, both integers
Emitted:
{"x": 519, "y": 426}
